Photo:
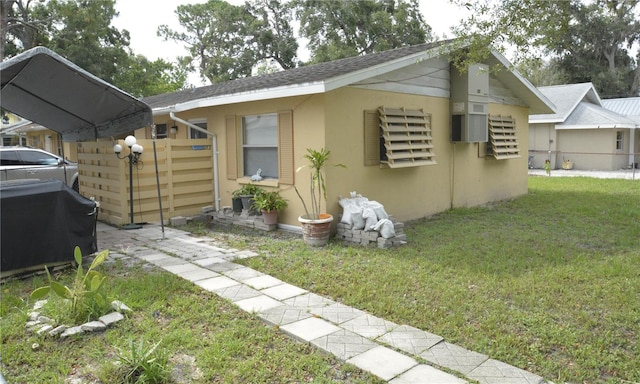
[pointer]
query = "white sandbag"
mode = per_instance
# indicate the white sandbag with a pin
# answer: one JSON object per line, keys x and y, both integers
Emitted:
{"x": 378, "y": 209}
{"x": 345, "y": 203}
{"x": 356, "y": 217}
{"x": 369, "y": 215}
{"x": 386, "y": 228}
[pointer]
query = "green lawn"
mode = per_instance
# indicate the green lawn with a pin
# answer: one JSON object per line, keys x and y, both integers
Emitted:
{"x": 226, "y": 344}
{"x": 548, "y": 282}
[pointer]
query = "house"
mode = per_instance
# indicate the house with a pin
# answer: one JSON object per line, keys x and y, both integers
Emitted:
{"x": 414, "y": 133}
{"x": 585, "y": 132}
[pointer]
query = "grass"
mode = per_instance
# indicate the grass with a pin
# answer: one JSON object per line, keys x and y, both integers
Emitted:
{"x": 548, "y": 282}
{"x": 227, "y": 344}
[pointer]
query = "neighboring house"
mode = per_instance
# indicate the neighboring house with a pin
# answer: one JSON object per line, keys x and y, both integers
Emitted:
{"x": 414, "y": 134}
{"x": 583, "y": 133}
{"x": 22, "y": 132}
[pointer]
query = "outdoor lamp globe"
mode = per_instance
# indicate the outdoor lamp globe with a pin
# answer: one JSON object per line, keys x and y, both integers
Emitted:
{"x": 117, "y": 149}
{"x": 130, "y": 141}
{"x": 137, "y": 149}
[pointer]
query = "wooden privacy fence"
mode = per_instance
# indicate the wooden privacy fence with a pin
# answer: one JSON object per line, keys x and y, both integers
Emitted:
{"x": 185, "y": 169}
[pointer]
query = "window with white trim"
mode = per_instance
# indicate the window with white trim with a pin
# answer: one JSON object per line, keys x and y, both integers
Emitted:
{"x": 261, "y": 141}
{"x": 260, "y": 145}
{"x": 398, "y": 138}
{"x": 195, "y": 134}
{"x": 503, "y": 143}
{"x": 619, "y": 140}
{"x": 161, "y": 131}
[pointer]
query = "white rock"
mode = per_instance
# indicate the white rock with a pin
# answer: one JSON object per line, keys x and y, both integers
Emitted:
{"x": 93, "y": 326}
{"x": 111, "y": 318}
{"x": 57, "y": 330}
{"x": 71, "y": 331}
{"x": 120, "y": 306}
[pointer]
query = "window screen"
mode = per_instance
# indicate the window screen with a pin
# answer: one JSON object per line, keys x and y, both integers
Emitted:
{"x": 260, "y": 144}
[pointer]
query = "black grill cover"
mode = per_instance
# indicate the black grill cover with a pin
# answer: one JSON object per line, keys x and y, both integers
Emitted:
{"x": 42, "y": 222}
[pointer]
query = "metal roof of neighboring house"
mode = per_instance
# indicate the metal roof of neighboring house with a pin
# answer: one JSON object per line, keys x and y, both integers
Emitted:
{"x": 590, "y": 116}
{"x": 628, "y": 106}
{"x": 566, "y": 98}
{"x": 324, "y": 77}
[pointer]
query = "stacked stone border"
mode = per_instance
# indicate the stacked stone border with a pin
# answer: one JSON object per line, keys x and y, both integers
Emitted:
{"x": 43, "y": 325}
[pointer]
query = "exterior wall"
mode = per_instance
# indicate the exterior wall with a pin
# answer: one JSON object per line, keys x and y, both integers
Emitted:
{"x": 50, "y": 141}
{"x": 308, "y": 123}
{"x": 460, "y": 178}
{"x": 542, "y": 144}
{"x": 463, "y": 176}
{"x": 593, "y": 149}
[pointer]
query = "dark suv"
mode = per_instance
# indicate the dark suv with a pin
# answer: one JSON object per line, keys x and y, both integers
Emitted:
{"x": 18, "y": 163}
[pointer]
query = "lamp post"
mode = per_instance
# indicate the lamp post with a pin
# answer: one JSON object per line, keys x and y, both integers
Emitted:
{"x": 135, "y": 150}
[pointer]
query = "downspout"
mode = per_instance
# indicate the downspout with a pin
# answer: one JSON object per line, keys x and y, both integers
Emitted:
{"x": 214, "y": 140}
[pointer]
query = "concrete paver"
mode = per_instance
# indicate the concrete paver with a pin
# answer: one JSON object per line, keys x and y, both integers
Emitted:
{"x": 262, "y": 282}
{"x": 310, "y": 329}
{"x": 454, "y": 357}
{"x": 283, "y": 315}
{"x": 258, "y": 303}
{"x": 348, "y": 333}
{"x": 383, "y": 362}
{"x": 369, "y": 326}
{"x": 344, "y": 344}
{"x": 215, "y": 283}
{"x": 411, "y": 340}
{"x": 422, "y": 373}
{"x": 494, "y": 371}
{"x": 337, "y": 313}
{"x": 283, "y": 291}
{"x": 237, "y": 292}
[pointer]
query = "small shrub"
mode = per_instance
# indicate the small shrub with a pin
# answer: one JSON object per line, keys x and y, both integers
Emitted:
{"x": 85, "y": 298}
{"x": 142, "y": 363}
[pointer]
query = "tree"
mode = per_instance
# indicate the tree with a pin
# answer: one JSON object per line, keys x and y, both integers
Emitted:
{"x": 227, "y": 41}
{"x": 343, "y": 28}
{"x": 587, "y": 41}
{"x": 81, "y": 31}
{"x": 22, "y": 26}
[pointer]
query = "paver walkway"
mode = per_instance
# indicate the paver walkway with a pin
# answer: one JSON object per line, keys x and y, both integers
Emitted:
{"x": 387, "y": 350}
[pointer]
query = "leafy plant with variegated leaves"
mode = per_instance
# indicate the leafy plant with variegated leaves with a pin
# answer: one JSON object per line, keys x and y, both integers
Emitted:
{"x": 85, "y": 297}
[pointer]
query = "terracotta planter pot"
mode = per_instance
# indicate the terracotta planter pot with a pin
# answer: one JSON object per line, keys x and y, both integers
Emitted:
{"x": 316, "y": 232}
{"x": 270, "y": 217}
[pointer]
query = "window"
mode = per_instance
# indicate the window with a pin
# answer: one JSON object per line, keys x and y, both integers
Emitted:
{"x": 161, "y": 131}
{"x": 398, "y": 138}
{"x": 263, "y": 142}
{"x": 502, "y": 142}
{"x": 260, "y": 145}
{"x": 9, "y": 158}
{"x": 619, "y": 140}
{"x": 194, "y": 134}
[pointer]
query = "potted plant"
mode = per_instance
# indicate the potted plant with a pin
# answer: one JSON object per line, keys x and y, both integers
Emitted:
{"x": 269, "y": 203}
{"x": 246, "y": 194}
{"x": 316, "y": 225}
{"x": 236, "y": 202}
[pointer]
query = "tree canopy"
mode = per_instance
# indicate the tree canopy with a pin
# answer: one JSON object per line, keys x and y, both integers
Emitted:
{"x": 81, "y": 31}
{"x": 583, "y": 40}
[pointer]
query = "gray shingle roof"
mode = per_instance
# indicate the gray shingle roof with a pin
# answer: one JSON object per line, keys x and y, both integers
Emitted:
{"x": 296, "y": 76}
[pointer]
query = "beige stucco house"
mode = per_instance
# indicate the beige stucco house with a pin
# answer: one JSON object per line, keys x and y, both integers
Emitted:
{"x": 583, "y": 133}
{"x": 414, "y": 134}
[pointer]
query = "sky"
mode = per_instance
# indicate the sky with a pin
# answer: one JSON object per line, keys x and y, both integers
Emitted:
{"x": 142, "y": 18}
